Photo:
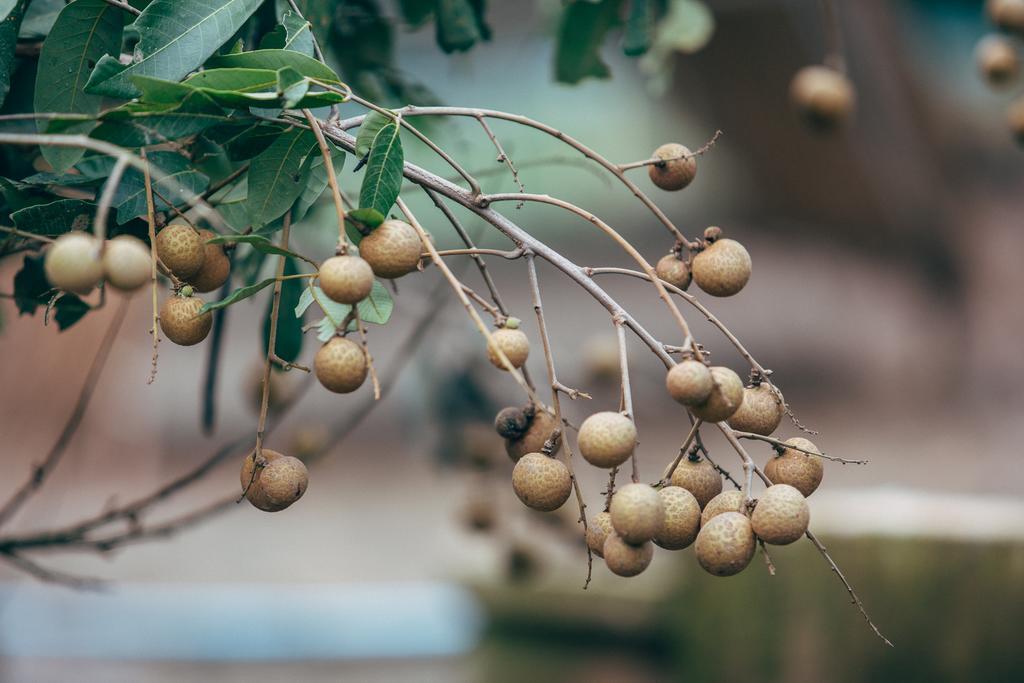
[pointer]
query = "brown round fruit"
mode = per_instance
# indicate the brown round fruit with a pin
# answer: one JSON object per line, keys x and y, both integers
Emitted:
{"x": 722, "y": 268}
{"x": 340, "y": 365}
{"x": 699, "y": 478}
{"x": 726, "y": 501}
{"x": 824, "y": 96}
{"x": 542, "y": 483}
{"x": 245, "y": 477}
{"x": 689, "y": 382}
{"x": 800, "y": 470}
{"x": 607, "y": 439}
{"x": 725, "y": 545}
{"x": 1007, "y": 14}
{"x": 216, "y": 266}
{"x": 676, "y": 171}
{"x": 512, "y": 423}
{"x": 126, "y": 263}
{"x": 284, "y": 481}
{"x": 181, "y": 249}
{"x": 597, "y": 531}
{"x": 760, "y": 411}
{"x": 725, "y": 398}
{"x": 181, "y": 322}
{"x": 781, "y": 515}
{"x": 346, "y": 279}
{"x": 624, "y": 558}
{"x": 249, "y": 477}
{"x": 637, "y": 513}
{"x": 73, "y": 262}
{"x": 392, "y": 249}
{"x": 674, "y": 271}
{"x": 681, "y": 523}
{"x": 513, "y": 343}
{"x": 541, "y": 426}
{"x": 997, "y": 60}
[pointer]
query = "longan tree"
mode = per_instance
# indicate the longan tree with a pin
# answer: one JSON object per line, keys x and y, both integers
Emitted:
{"x": 178, "y": 154}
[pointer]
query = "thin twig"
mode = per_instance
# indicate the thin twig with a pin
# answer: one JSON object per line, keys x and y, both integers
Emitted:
{"x": 332, "y": 178}
{"x": 46, "y": 575}
{"x": 783, "y": 444}
{"x": 658, "y": 160}
{"x": 26, "y": 235}
{"x": 366, "y": 350}
{"x": 666, "y": 476}
{"x": 151, "y": 221}
{"x": 107, "y": 198}
{"x": 503, "y": 157}
{"x": 120, "y": 4}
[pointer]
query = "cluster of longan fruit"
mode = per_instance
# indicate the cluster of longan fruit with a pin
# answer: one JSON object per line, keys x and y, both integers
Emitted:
{"x": 997, "y": 56}
{"x": 77, "y": 261}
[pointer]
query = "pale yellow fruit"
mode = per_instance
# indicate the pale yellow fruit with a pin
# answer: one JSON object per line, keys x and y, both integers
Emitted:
{"x": 181, "y": 322}
{"x": 725, "y": 398}
{"x": 723, "y": 268}
{"x": 216, "y": 268}
{"x": 781, "y": 515}
{"x": 677, "y": 171}
{"x": 674, "y": 271}
{"x": 760, "y": 411}
{"x": 542, "y": 483}
{"x": 726, "y": 501}
{"x": 539, "y": 431}
{"x": 597, "y": 531}
{"x": 725, "y": 545}
{"x": 392, "y": 249}
{"x": 126, "y": 263}
{"x": 823, "y": 95}
{"x": 284, "y": 481}
{"x": 698, "y": 477}
{"x": 73, "y": 262}
{"x": 340, "y": 365}
{"x": 997, "y": 60}
{"x": 689, "y": 382}
{"x": 513, "y": 343}
{"x": 346, "y": 279}
{"x": 800, "y": 470}
{"x": 637, "y": 512}
{"x": 624, "y": 558}
{"x": 607, "y": 439}
{"x": 1007, "y": 14}
{"x": 681, "y": 521}
{"x": 181, "y": 249}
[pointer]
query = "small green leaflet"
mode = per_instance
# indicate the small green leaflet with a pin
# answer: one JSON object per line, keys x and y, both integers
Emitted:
{"x": 9, "y": 26}
{"x": 582, "y": 32}
{"x": 274, "y": 60}
{"x": 372, "y": 124}
{"x": 259, "y": 243}
{"x": 376, "y": 309}
{"x": 55, "y": 218}
{"x": 241, "y": 88}
{"x": 237, "y": 295}
{"x": 383, "y": 179}
{"x": 293, "y": 33}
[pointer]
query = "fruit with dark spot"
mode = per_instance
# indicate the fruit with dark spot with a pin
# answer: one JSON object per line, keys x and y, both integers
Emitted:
{"x": 825, "y": 97}
{"x": 760, "y": 411}
{"x": 802, "y": 471}
{"x": 677, "y": 169}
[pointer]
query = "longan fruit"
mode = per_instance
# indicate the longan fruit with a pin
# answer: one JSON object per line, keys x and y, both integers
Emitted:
{"x": 181, "y": 322}
{"x": 607, "y": 439}
{"x": 126, "y": 263}
{"x": 541, "y": 426}
{"x": 250, "y": 481}
{"x": 725, "y": 545}
{"x": 781, "y": 515}
{"x": 512, "y": 422}
{"x": 800, "y": 470}
{"x": 674, "y": 271}
{"x": 760, "y": 411}
{"x": 340, "y": 365}
{"x": 689, "y": 382}
{"x": 681, "y": 522}
{"x": 732, "y": 500}
{"x": 637, "y": 513}
{"x": 73, "y": 262}
{"x": 597, "y": 531}
{"x": 393, "y": 249}
{"x": 823, "y": 95}
{"x": 996, "y": 59}
{"x": 346, "y": 279}
{"x": 624, "y": 558}
{"x": 677, "y": 168}
{"x": 216, "y": 266}
{"x": 725, "y": 398}
{"x": 284, "y": 481}
{"x": 1007, "y": 14}
{"x": 542, "y": 483}
{"x": 698, "y": 477}
{"x": 722, "y": 268}
{"x": 513, "y": 343}
{"x": 249, "y": 464}
{"x": 181, "y": 249}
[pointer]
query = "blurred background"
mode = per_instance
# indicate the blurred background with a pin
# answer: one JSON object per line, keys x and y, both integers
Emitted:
{"x": 885, "y": 296}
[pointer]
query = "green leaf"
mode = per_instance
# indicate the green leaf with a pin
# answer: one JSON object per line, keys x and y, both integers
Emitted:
{"x": 9, "y": 26}
{"x": 30, "y": 285}
{"x": 182, "y": 183}
{"x": 40, "y": 18}
{"x": 369, "y": 218}
{"x": 176, "y": 37}
{"x": 273, "y": 60}
{"x": 415, "y": 13}
{"x": 85, "y": 31}
{"x": 139, "y": 124}
{"x": 372, "y": 124}
{"x": 291, "y": 87}
{"x": 242, "y": 88}
{"x": 293, "y": 33}
{"x": 239, "y": 294}
{"x": 69, "y": 309}
{"x": 460, "y": 25}
{"x": 383, "y": 179}
{"x": 580, "y": 37}
{"x": 275, "y": 177}
{"x": 639, "y": 31}
{"x": 243, "y": 139}
{"x": 55, "y": 218}
{"x": 377, "y": 307}
{"x": 259, "y": 243}
{"x": 316, "y": 181}
{"x": 288, "y": 344}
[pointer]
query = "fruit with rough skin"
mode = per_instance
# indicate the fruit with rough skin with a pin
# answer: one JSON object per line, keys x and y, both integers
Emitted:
{"x": 681, "y": 521}
{"x": 216, "y": 268}
{"x": 824, "y": 96}
{"x": 181, "y": 322}
{"x": 800, "y": 470}
{"x": 249, "y": 479}
{"x": 689, "y": 382}
{"x": 340, "y": 365}
{"x": 726, "y": 501}
{"x": 597, "y": 531}
{"x": 725, "y": 545}
{"x": 677, "y": 169}
{"x": 997, "y": 60}
{"x": 392, "y": 249}
{"x": 723, "y": 268}
{"x": 126, "y": 263}
{"x": 781, "y": 515}
{"x": 541, "y": 426}
{"x": 542, "y": 483}
{"x": 284, "y": 481}
{"x": 626, "y": 559}
{"x": 725, "y": 398}
{"x": 760, "y": 411}
{"x": 637, "y": 513}
{"x": 73, "y": 262}
{"x": 346, "y": 279}
{"x": 181, "y": 249}
{"x": 513, "y": 343}
{"x": 674, "y": 271}
{"x": 607, "y": 439}
{"x": 698, "y": 477}
{"x": 1007, "y": 14}
{"x": 512, "y": 423}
